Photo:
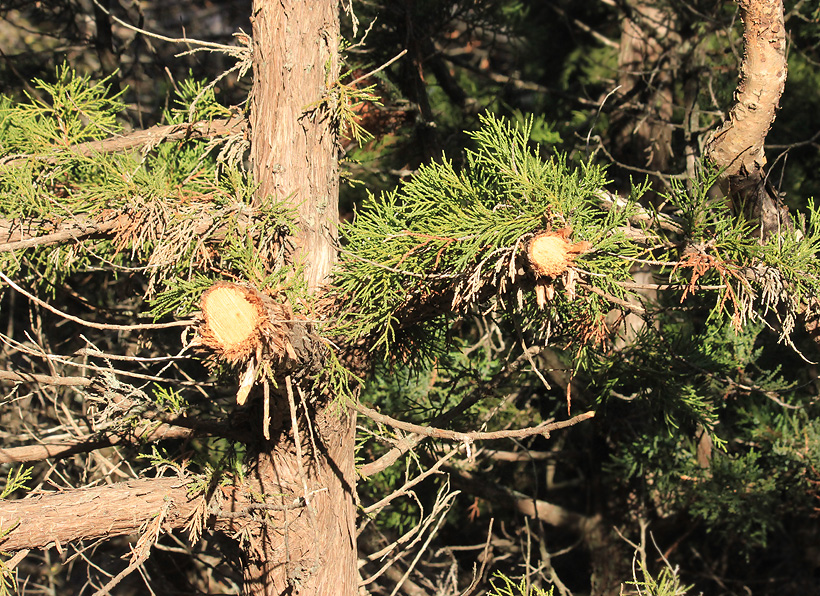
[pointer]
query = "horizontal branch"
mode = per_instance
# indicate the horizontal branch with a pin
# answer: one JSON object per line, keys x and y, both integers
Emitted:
{"x": 91, "y": 513}
{"x": 150, "y": 137}
{"x": 410, "y": 441}
{"x": 91, "y": 324}
{"x": 149, "y": 432}
{"x": 552, "y": 514}
{"x": 19, "y": 234}
{"x": 468, "y": 437}
{"x": 22, "y": 377}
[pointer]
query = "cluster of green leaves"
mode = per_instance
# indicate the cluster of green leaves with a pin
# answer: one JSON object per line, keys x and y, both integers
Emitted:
{"x": 667, "y": 582}
{"x": 447, "y": 225}
{"x": 689, "y": 376}
{"x": 749, "y": 279}
{"x": 15, "y": 480}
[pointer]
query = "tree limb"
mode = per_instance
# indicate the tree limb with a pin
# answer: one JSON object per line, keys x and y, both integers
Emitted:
{"x": 147, "y": 433}
{"x": 738, "y": 145}
{"x": 150, "y": 137}
{"x": 89, "y": 513}
{"x": 468, "y": 437}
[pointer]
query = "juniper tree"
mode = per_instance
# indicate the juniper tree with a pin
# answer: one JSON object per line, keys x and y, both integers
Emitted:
{"x": 202, "y": 332}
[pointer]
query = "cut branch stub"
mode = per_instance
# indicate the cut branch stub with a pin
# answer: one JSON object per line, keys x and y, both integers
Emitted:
{"x": 233, "y": 320}
{"x": 245, "y": 326}
{"x": 550, "y": 255}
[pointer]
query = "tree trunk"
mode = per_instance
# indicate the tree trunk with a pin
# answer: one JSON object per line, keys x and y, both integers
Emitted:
{"x": 293, "y": 142}
{"x": 647, "y": 62}
{"x": 310, "y": 549}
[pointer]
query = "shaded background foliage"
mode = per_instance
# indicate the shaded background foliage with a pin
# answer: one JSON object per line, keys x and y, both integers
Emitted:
{"x": 691, "y": 433}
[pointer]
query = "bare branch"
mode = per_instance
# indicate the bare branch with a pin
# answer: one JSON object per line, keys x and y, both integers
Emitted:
{"x": 738, "y": 144}
{"x": 468, "y": 437}
{"x": 88, "y": 513}
{"x": 150, "y": 432}
{"x": 104, "y": 326}
{"x": 75, "y": 230}
{"x": 22, "y": 377}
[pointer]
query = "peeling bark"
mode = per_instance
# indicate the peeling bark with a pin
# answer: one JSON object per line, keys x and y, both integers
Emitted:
{"x": 738, "y": 145}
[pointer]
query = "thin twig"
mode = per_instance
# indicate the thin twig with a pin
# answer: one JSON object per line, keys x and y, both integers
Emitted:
{"x": 379, "y": 505}
{"x": 103, "y": 326}
{"x": 295, "y": 424}
{"x": 183, "y": 40}
{"x": 380, "y": 68}
{"x": 543, "y": 429}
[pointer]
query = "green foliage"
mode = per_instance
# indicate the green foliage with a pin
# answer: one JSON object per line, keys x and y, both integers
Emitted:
{"x": 667, "y": 582}
{"x": 461, "y": 228}
{"x": 162, "y": 461}
{"x": 71, "y": 110}
{"x": 170, "y": 400}
{"x": 15, "y": 480}
{"x": 8, "y": 578}
{"x": 504, "y": 586}
{"x": 191, "y": 215}
{"x": 195, "y": 100}
{"x": 739, "y": 497}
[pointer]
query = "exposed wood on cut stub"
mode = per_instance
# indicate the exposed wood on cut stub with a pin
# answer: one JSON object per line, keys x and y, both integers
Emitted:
{"x": 550, "y": 255}
{"x": 246, "y": 328}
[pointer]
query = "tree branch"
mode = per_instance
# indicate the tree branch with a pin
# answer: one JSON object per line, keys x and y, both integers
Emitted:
{"x": 737, "y": 146}
{"x": 150, "y": 432}
{"x": 468, "y": 437}
{"x": 89, "y": 513}
{"x": 22, "y": 377}
{"x": 150, "y": 137}
{"x": 738, "y": 143}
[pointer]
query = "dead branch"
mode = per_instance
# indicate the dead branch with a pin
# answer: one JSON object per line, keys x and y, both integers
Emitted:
{"x": 434, "y": 469}
{"x": 15, "y": 237}
{"x": 23, "y": 377}
{"x": 410, "y": 441}
{"x": 93, "y": 325}
{"x": 468, "y": 437}
{"x": 554, "y": 515}
{"x": 147, "y": 433}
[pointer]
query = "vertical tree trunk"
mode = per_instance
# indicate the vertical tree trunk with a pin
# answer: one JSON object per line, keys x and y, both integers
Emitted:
{"x": 310, "y": 549}
{"x": 294, "y": 141}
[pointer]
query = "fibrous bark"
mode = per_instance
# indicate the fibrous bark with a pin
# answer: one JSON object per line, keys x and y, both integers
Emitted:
{"x": 86, "y": 514}
{"x": 293, "y": 145}
{"x": 294, "y": 155}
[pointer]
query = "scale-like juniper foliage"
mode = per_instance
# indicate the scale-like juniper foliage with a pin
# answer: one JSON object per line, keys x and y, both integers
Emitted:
{"x": 460, "y": 235}
{"x": 187, "y": 212}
